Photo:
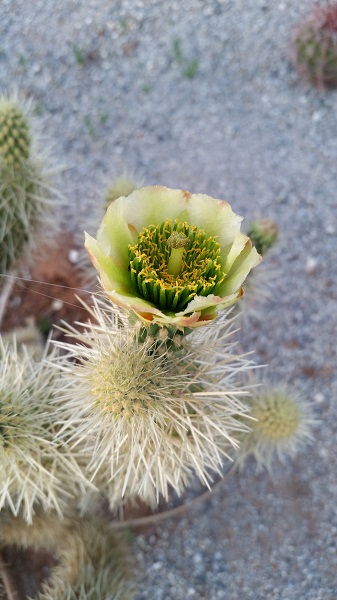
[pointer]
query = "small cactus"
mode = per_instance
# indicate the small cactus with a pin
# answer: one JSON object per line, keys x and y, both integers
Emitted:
{"x": 263, "y": 234}
{"x": 121, "y": 186}
{"x": 281, "y": 424}
{"x": 314, "y": 46}
{"x": 15, "y": 138}
{"x": 25, "y": 191}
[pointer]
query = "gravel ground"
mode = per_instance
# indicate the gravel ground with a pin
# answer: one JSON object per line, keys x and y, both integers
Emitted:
{"x": 201, "y": 95}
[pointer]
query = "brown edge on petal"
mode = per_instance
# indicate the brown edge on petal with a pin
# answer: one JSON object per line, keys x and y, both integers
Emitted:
{"x": 186, "y": 195}
{"x": 91, "y": 255}
{"x": 132, "y": 228}
{"x": 145, "y": 316}
{"x": 223, "y": 202}
{"x": 207, "y": 318}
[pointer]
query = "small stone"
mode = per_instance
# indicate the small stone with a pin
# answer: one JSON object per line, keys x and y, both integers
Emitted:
{"x": 330, "y": 229}
{"x": 317, "y": 115}
{"x": 319, "y": 398}
{"x": 57, "y": 305}
{"x": 73, "y": 256}
{"x": 157, "y": 565}
{"x": 197, "y": 558}
{"x": 311, "y": 265}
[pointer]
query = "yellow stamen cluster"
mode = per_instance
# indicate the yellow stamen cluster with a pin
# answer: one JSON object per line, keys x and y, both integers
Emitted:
{"x": 197, "y": 269}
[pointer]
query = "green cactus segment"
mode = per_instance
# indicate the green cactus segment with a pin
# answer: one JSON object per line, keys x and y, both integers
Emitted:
{"x": 19, "y": 214}
{"x": 317, "y": 54}
{"x": 122, "y": 186}
{"x": 25, "y": 190}
{"x": 11, "y": 419}
{"x": 14, "y": 135}
{"x": 263, "y": 235}
{"x": 315, "y": 46}
{"x": 171, "y": 283}
{"x": 278, "y": 416}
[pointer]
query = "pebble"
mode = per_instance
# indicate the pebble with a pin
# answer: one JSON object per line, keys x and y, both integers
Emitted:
{"x": 311, "y": 265}
{"x": 57, "y": 305}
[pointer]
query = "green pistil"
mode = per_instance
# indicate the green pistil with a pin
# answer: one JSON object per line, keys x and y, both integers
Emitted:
{"x": 172, "y": 262}
{"x": 177, "y": 242}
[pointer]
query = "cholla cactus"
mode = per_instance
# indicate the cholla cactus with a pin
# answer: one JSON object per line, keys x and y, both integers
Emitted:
{"x": 27, "y": 338}
{"x": 59, "y": 537}
{"x": 34, "y": 469}
{"x": 120, "y": 186}
{"x": 315, "y": 46}
{"x": 89, "y": 558}
{"x": 101, "y": 565}
{"x": 283, "y": 424}
{"x": 25, "y": 181}
{"x": 92, "y": 583}
{"x": 146, "y": 417}
{"x": 263, "y": 234}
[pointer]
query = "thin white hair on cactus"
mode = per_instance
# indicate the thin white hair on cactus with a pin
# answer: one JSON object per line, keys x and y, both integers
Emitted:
{"x": 147, "y": 417}
{"x": 35, "y": 470}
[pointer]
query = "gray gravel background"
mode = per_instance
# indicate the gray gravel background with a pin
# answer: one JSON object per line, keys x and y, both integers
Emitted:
{"x": 243, "y": 128}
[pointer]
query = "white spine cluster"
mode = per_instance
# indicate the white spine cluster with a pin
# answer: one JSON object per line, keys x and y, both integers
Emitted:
{"x": 148, "y": 418}
{"x": 35, "y": 469}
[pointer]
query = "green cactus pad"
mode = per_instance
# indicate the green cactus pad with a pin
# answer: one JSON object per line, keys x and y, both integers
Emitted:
{"x": 25, "y": 182}
{"x": 14, "y": 135}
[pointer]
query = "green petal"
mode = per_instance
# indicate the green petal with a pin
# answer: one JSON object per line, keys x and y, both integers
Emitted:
{"x": 114, "y": 276}
{"x": 215, "y": 217}
{"x": 230, "y": 253}
{"x": 152, "y": 205}
{"x": 138, "y": 305}
{"x": 248, "y": 259}
{"x": 202, "y": 303}
{"x": 114, "y": 235}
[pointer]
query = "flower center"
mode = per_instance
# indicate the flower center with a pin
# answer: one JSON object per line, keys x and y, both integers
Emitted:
{"x": 172, "y": 262}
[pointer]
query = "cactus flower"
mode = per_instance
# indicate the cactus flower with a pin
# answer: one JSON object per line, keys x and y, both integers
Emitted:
{"x": 171, "y": 257}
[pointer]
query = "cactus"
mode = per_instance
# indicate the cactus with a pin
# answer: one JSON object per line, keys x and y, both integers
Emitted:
{"x": 263, "y": 234}
{"x": 15, "y": 138}
{"x": 25, "y": 339}
{"x": 314, "y": 46}
{"x": 89, "y": 558}
{"x": 25, "y": 191}
{"x": 121, "y": 186}
{"x": 282, "y": 423}
{"x": 34, "y": 470}
{"x": 145, "y": 415}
